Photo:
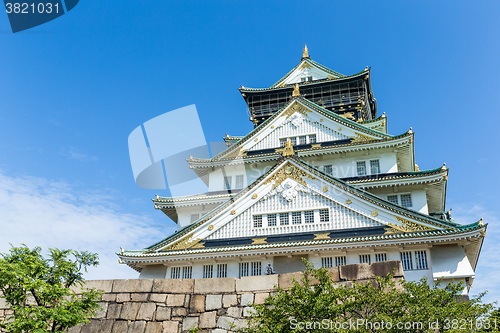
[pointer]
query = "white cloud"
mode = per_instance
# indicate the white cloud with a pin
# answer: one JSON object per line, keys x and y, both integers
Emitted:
{"x": 38, "y": 212}
{"x": 75, "y": 154}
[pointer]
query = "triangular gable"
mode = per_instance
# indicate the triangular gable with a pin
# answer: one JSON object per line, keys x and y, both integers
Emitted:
{"x": 354, "y": 208}
{"x": 307, "y": 68}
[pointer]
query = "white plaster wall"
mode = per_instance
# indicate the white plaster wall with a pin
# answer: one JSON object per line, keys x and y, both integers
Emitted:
{"x": 153, "y": 272}
{"x": 184, "y": 213}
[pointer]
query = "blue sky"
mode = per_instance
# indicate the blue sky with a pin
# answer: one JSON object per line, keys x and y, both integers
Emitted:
{"x": 72, "y": 90}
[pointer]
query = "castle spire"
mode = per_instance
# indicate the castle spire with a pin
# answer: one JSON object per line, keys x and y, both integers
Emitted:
{"x": 296, "y": 91}
{"x": 305, "y": 52}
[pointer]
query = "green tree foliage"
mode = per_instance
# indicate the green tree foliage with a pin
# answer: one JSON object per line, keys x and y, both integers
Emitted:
{"x": 39, "y": 293}
{"x": 316, "y": 304}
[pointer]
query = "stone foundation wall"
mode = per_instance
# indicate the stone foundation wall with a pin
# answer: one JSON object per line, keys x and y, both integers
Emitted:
{"x": 213, "y": 305}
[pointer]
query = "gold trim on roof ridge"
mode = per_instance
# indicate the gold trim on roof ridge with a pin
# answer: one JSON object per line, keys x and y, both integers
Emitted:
{"x": 289, "y": 170}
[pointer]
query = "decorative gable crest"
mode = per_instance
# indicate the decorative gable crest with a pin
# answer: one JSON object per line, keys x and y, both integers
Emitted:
{"x": 289, "y": 171}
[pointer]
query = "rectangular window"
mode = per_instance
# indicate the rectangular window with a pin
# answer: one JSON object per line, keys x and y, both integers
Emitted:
{"x": 380, "y": 257}
{"x": 375, "y": 167}
{"x": 187, "y": 272}
{"x": 326, "y": 262}
{"x": 406, "y": 261}
{"x": 365, "y": 259}
{"x": 227, "y": 182}
{"x": 421, "y": 259}
{"x": 221, "y": 270}
{"x": 340, "y": 261}
{"x": 257, "y": 221}
{"x": 406, "y": 200}
{"x": 302, "y": 140}
{"x": 256, "y": 268}
{"x": 361, "y": 168}
{"x": 303, "y": 79}
{"x": 194, "y": 217}
{"x": 239, "y": 181}
{"x": 175, "y": 273}
{"x": 393, "y": 199}
{"x": 312, "y": 138}
{"x": 282, "y": 142}
{"x": 328, "y": 169}
{"x": 309, "y": 216}
{"x": 244, "y": 269}
{"x": 208, "y": 271}
{"x": 284, "y": 219}
{"x": 271, "y": 220}
{"x": 324, "y": 215}
{"x": 296, "y": 218}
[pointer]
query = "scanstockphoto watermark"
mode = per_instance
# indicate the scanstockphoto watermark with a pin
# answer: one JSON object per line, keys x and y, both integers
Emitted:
{"x": 356, "y": 324}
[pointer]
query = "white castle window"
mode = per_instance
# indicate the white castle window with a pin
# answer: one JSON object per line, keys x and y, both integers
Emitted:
{"x": 250, "y": 268}
{"x": 309, "y": 216}
{"x": 208, "y": 271}
{"x": 421, "y": 259}
{"x": 406, "y": 261}
{"x": 374, "y": 167}
{"x": 361, "y": 168}
{"x": 271, "y": 220}
{"x": 239, "y": 181}
{"x": 221, "y": 270}
{"x": 244, "y": 269}
{"x": 402, "y": 199}
{"x": 257, "y": 221}
{"x": 380, "y": 257}
{"x": 306, "y": 79}
{"x": 187, "y": 272}
{"x": 326, "y": 262}
{"x": 324, "y": 215}
{"x": 327, "y": 169}
{"x": 340, "y": 260}
{"x": 296, "y": 217}
{"x": 393, "y": 199}
{"x": 256, "y": 268}
{"x": 330, "y": 261}
{"x": 299, "y": 140}
{"x": 312, "y": 138}
{"x": 227, "y": 182}
{"x": 175, "y": 273}
{"x": 194, "y": 217}
{"x": 365, "y": 259}
{"x": 284, "y": 219}
{"x": 302, "y": 140}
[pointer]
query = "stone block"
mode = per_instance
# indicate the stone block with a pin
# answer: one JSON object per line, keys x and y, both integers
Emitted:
{"x": 158, "y": 298}
{"x": 109, "y": 297}
{"x": 169, "y": 286}
{"x": 248, "y": 311}
{"x": 104, "y": 285}
{"x": 122, "y": 297}
{"x": 213, "y": 302}
{"x": 146, "y": 311}
{"x": 208, "y": 319}
{"x": 186, "y": 301}
{"x": 239, "y": 324}
{"x": 129, "y": 310}
{"x": 132, "y": 286}
{"x": 101, "y": 313}
{"x": 285, "y": 281}
{"x": 214, "y": 286}
{"x": 257, "y": 283}
{"x": 334, "y": 273}
{"x": 74, "y": 329}
{"x": 355, "y": 272}
{"x": 179, "y": 312}
{"x": 91, "y": 327}
{"x": 175, "y": 300}
{"x": 189, "y": 323}
{"x": 197, "y": 304}
{"x": 225, "y": 322}
{"x": 234, "y": 312}
{"x": 163, "y": 313}
{"x": 170, "y": 326}
{"x": 218, "y": 330}
{"x": 3, "y": 304}
{"x": 137, "y": 326}
{"x": 260, "y": 298}
{"x": 385, "y": 268}
{"x": 153, "y": 327}
{"x": 120, "y": 326}
{"x": 106, "y": 326}
{"x": 114, "y": 311}
{"x": 139, "y": 297}
{"x": 229, "y": 300}
{"x": 246, "y": 299}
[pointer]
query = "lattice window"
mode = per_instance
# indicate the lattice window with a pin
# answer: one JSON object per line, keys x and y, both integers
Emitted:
{"x": 327, "y": 169}
{"x": 312, "y": 138}
{"x": 194, "y": 217}
{"x": 284, "y": 219}
{"x": 375, "y": 167}
{"x": 175, "y": 273}
{"x": 421, "y": 259}
{"x": 393, "y": 199}
{"x": 271, "y": 220}
{"x": 256, "y": 268}
{"x": 324, "y": 215}
{"x": 227, "y": 182}
{"x": 208, "y": 271}
{"x": 327, "y": 262}
{"x": 187, "y": 272}
{"x": 296, "y": 218}
{"x": 239, "y": 181}
{"x": 302, "y": 140}
{"x": 283, "y": 142}
{"x": 406, "y": 260}
{"x": 244, "y": 269}
{"x": 406, "y": 200}
{"x": 365, "y": 259}
{"x": 221, "y": 270}
{"x": 380, "y": 257}
{"x": 340, "y": 261}
{"x": 309, "y": 216}
{"x": 257, "y": 221}
{"x": 361, "y": 168}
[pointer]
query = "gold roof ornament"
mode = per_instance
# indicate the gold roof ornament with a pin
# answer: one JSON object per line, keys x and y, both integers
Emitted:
{"x": 443, "y": 167}
{"x": 481, "y": 223}
{"x": 296, "y": 91}
{"x": 305, "y": 52}
{"x": 288, "y": 148}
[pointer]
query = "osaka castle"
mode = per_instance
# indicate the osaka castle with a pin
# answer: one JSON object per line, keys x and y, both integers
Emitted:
{"x": 319, "y": 177}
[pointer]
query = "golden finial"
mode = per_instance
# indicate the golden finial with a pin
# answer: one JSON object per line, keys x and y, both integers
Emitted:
{"x": 296, "y": 91}
{"x": 288, "y": 151}
{"x": 383, "y": 115}
{"x": 481, "y": 223}
{"x": 305, "y": 52}
{"x": 443, "y": 167}
{"x": 122, "y": 250}
{"x": 410, "y": 130}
